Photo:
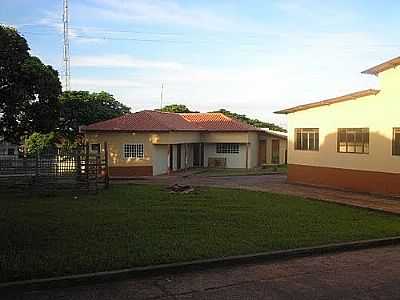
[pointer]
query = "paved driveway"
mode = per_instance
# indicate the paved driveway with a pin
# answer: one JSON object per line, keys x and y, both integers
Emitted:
{"x": 277, "y": 183}
{"x": 363, "y": 274}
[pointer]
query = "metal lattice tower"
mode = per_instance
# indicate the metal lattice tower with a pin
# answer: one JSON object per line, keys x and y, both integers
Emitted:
{"x": 67, "y": 73}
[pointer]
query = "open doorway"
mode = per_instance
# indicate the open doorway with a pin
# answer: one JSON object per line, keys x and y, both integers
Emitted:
{"x": 198, "y": 155}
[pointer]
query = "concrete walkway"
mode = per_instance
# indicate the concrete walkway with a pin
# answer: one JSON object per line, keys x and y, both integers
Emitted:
{"x": 364, "y": 274}
{"x": 277, "y": 184}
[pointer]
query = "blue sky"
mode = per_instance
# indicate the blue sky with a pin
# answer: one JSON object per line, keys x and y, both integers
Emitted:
{"x": 250, "y": 57}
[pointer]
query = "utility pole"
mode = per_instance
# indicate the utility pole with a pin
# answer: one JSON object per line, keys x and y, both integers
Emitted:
{"x": 67, "y": 73}
{"x": 162, "y": 96}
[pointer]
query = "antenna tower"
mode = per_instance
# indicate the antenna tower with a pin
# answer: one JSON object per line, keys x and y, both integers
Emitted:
{"x": 162, "y": 96}
{"x": 67, "y": 73}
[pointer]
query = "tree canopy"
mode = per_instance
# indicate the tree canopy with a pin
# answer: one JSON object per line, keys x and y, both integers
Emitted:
{"x": 38, "y": 143}
{"x": 253, "y": 122}
{"x": 29, "y": 90}
{"x": 83, "y": 108}
{"x": 176, "y": 108}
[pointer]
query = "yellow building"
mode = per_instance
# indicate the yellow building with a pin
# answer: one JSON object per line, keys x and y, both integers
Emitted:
{"x": 152, "y": 143}
{"x": 349, "y": 142}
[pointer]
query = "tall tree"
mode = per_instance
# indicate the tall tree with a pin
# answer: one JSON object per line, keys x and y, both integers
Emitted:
{"x": 29, "y": 90}
{"x": 83, "y": 108}
{"x": 176, "y": 108}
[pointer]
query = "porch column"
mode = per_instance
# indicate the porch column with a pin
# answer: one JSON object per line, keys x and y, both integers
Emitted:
{"x": 202, "y": 155}
{"x": 185, "y": 156}
{"x": 247, "y": 155}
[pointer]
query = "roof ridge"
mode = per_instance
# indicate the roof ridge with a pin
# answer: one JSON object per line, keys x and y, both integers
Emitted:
{"x": 149, "y": 120}
{"x": 112, "y": 119}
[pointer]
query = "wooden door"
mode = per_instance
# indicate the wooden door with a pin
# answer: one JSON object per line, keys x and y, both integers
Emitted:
{"x": 202, "y": 155}
{"x": 196, "y": 155}
{"x": 275, "y": 152}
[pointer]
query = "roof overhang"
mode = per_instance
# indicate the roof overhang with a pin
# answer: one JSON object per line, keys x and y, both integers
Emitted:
{"x": 393, "y": 63}
{"x": 352, "y": 96}
{"x": 83, "y": 130}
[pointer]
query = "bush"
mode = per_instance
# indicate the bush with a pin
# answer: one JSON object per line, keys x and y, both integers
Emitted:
{"x": 38, "y": 143}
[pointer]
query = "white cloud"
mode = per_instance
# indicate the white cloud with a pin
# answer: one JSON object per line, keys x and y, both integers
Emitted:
{"x": 295, "y": 68}
{"x": 103, "y": 84}
{"x": 316, "y": 11}
{"x": 161, "y": 12}
{"x": 122, "y": 61}
{"x": 329, "y": 66}
{"x": 53, "y": 21}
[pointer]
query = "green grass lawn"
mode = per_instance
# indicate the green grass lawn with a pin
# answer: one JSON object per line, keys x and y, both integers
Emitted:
{"x": 133, "y": 225}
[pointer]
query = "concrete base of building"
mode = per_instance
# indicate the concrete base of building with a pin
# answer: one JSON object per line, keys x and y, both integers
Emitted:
{"x": 131, "y": 171}
{"x": 354, "y": 180}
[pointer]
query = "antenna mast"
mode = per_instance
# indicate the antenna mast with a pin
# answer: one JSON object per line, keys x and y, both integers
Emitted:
{"x": 162, "y": 95}
{"x": 67, "y": 73}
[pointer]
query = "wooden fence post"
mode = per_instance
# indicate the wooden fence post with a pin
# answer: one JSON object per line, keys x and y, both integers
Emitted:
{"x": 36, "y": 167}
{"x": 87, "y": 166}
{"x": 78, "y": 163}
{"x": 106, "y": 170}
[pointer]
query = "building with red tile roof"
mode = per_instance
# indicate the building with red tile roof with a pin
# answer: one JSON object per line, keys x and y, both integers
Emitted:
{"x": 148, "y": 120}
{"x": 153, "y": 143}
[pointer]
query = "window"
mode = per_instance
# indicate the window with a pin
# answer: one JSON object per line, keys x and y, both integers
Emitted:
{"x": 306, "y": 139}
{"x": 95, "y": 148}
{"x": 228, "y": 148}
{"x": 133, "y": 150}
{"x": 353, "y": 140}
{"x": 396, "y": 141}
{"x": 11, "y": 151}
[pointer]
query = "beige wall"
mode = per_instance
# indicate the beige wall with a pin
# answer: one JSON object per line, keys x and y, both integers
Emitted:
{"x": 379, "y": 113}
{"x": 253, "y": 149}
{"x": 175, "y": 137}
{"x": 116, "y": 141}
{"x": 225, "y": 137}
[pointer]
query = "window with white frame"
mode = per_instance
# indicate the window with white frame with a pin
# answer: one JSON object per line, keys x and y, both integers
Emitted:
{"x": 11, "y": 151}
{"x": 95, "y": 147}
{"x": 133, "y": 150}
{"x": 228, "y": 148}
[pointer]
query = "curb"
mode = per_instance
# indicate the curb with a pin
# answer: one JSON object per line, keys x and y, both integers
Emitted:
{"x": 99, "y": 277}
{"x": 241, "y": 175}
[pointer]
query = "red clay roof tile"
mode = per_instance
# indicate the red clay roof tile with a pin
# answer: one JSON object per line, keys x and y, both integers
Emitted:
{"x": 148, "y": 120}
{"x": 217, "y": 122}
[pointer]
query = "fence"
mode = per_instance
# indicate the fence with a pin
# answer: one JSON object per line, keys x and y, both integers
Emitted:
{"x": 78, "y": 170}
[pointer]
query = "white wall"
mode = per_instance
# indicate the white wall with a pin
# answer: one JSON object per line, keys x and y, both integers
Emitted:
{"x": 233, "y": 160}
{"x": 160, "y": 159}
